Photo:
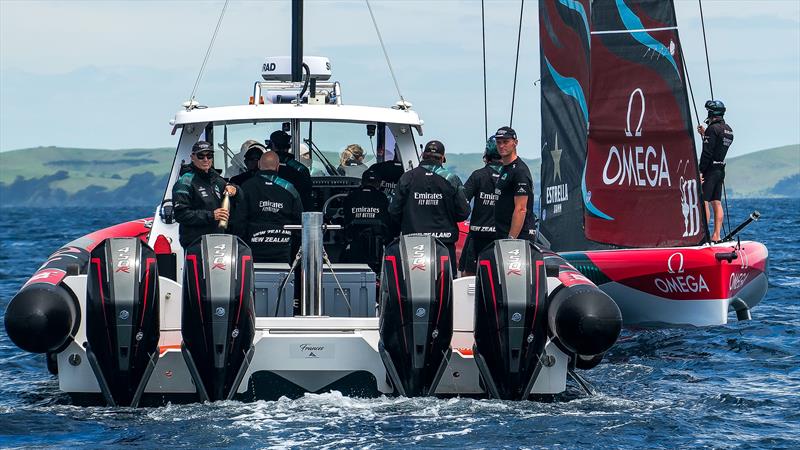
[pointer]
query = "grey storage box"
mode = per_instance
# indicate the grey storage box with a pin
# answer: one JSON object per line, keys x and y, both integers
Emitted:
{"x": 358, "y": 286}
{"x": 268, "y": 279}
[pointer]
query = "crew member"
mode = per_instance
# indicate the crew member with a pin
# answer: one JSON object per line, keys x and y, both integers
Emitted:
{"x": 251, "y": 158}
{"x": 197, "y": 196}
{"x": 430, "y": 200}
{"x": 292, "y": 170}
{"x": 513, "y": 217}
{"x": 366, "y": 222}
{"x": 389, "y": 172}
{"x": 351, "y": 163}
{"x": 717, "y": 138}
{"x": 270, "y": 202}
{"x": 480, "y": 186}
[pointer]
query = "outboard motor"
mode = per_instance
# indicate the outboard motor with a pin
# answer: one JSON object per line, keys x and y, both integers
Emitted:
{"x": 416, "y": 313}
{"x": 122, "y": 318}
{"x": 510, "y": 317}
{"x": 218, "y": 320}
{"x": 586, "y": 321}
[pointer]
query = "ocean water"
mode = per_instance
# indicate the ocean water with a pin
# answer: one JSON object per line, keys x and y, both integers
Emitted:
{"x": 736, "y": 386}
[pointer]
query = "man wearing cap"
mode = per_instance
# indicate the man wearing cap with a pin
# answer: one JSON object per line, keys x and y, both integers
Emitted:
{"x": 480, "y": 188}
{"x": 270, "y": 202}
{"x": 717, "y": 138}
{"x": 366, "y": 222}
{"x": 430, "y": 200}
{"x": 292, "y": 170}
{"x": 197, "y": 196}
{"x": 514, "y": 217}
{"x": 251, "y": 158}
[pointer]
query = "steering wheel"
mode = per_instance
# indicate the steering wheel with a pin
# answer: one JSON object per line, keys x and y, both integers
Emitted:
{"x": 332, "y": 208}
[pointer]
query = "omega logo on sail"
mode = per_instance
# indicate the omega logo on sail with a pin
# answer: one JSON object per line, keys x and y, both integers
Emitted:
{"x": 637, "y": 165}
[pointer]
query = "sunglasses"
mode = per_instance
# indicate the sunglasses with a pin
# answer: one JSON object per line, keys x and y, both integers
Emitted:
{"x": 204, "y": 155}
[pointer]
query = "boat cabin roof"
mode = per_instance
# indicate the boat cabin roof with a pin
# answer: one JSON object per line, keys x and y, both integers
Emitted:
{"x": 275, "y": 112}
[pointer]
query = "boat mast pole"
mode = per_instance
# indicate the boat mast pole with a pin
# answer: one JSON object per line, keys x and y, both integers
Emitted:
{"x": 297, "y": 40}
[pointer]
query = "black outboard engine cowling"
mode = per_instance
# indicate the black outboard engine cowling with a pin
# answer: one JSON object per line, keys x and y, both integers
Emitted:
{"x": 510, "y": 317}
{"x": 122, "y": 318}
{"x": 218, "y": 319}
{"x": 416, "y": 313}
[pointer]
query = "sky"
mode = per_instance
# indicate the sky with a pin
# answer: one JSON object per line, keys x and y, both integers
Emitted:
{"x": 111, "y": 74}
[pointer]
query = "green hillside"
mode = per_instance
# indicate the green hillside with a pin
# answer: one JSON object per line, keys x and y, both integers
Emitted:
{"x": 52, "y": 176}
{"x": 108, "y": 169}
{"x": 757, "y": 174}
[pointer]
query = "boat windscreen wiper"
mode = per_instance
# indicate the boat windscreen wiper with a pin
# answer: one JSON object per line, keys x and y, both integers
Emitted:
{"x": 328, "y": 166}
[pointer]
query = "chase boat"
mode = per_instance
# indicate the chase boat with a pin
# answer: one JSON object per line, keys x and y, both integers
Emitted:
{"x": 126, "y": 316}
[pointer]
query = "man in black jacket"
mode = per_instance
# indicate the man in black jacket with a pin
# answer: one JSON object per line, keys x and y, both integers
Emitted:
{"x": 514, "y": 217}
{"x": 197, "y": 196}
{"x": 292, "y": 170}
{"x": 480, "y": 186}
{"x": 366, "y": 222}
{"x": 716, "y": 141}
{"x": 270, "y": 202}
{"x": 430, "y": 200}
{"x": 251, "y": 158}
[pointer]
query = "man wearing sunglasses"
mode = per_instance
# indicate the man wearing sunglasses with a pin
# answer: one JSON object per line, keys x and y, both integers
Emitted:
{"x": 197, "y": 196}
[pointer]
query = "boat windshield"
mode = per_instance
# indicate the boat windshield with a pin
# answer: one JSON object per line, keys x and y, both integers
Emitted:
{"x": 326, "y": 148}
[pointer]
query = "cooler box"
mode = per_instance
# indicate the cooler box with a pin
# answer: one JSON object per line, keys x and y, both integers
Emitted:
{"x": 358, "y": 283}
{"x": 268, "y": 278}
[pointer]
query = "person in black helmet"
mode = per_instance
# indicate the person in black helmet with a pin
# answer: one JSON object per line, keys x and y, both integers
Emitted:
{"x": 430, "y": 200}
{"x": 197, "y": 196}
{"x": 291, "y": 169}
{"x": 717, "y": 138}
{"x": 481, "y": 186}
{"x": 366, "y": 222}
{"x": 514, "y": 217}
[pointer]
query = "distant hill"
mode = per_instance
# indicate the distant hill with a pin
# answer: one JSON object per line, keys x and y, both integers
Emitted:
{"x": 52, "y": 176}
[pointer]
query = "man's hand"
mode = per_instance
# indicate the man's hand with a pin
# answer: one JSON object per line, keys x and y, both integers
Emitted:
{"x": 230, "y": 189}
{"x": 701, "y": 129}
{"x": 701, "y": 178}
{"x": 220, "y": 214}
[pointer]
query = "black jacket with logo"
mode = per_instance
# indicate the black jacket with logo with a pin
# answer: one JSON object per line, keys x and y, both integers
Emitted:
{"x": 481, "y": 186}
{"x": 195, "y": 196}
{"x": 430, "y": 199}
{"x": 389, "y": 173}
{"x": 716, "y": 141}
{"x": 270, "y": 202}
{"x": 296, "y": 173}
{"x": 515, "y": 180}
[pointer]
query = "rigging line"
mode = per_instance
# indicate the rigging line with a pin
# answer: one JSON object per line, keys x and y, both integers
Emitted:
{"x": 385, "y": 54}
{"x": 726, "y": 224}
{"x": 689, "y": 83}
{"x": 705, "y": 45}
{"x": 485, "y": 98}
{"x": 208, "y": 52}
{"x": 516, "y": 62}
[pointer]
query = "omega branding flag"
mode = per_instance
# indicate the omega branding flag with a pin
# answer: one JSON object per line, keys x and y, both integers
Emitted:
{"x": 641, "y": 181}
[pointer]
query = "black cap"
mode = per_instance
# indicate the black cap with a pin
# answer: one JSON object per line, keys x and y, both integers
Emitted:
{"x": 370, "y": 177}
{"x": 254, "y": 151}
{"x": 280, "y": 140}
{"x": 505, "y": 133}
{"x": 202, "y": 146}
{"x": 435, "y": 147}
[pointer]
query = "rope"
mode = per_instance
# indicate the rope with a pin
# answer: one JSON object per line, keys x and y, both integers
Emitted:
{"x": 385, "y": 54}
{"x": 208, "y": 53}
{"x": 725, "y": 223}
{"x": 516, "y": 62}
{"x": 705, "y": 45}
{"x": 485, "y": 101}
{"x": 689, "y": 82}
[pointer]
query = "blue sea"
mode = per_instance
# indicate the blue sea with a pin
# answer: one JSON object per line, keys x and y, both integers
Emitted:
{"x": 736, "y": 386}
